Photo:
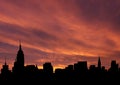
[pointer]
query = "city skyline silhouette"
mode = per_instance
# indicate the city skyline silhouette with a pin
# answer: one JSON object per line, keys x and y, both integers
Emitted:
{"x": 98, "y": 64}
{"x": 57, "y": 40}
{"x": 78, "y": 72}
{"x": 60, "y": 31}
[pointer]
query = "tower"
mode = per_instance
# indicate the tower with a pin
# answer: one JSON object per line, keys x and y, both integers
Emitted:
{"x": 99, "y": 63}
{"x": 20, "y": 56}
{"x": 19, "y": 61}
{"x": 5, "y": 69}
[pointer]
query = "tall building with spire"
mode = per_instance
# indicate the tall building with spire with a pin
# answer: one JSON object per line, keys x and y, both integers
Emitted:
{"x": 5, "y": 68}
{"x": 99, "y": 63}
{"x": 19, "y": 61}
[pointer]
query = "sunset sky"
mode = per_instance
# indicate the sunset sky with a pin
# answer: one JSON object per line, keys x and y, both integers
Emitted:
{"x": 62, "y": 32}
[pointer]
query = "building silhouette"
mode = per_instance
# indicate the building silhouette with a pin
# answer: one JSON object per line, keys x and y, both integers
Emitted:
{"x": 5, "y": 68}
{"x": 48, "y": 68}
{"x": 114, "y": 66}
{"x": 80, "y": 66}
{"x": 99, "y": 63}
{"x": 5, "y": 72}
{"x": 18, "y": 68}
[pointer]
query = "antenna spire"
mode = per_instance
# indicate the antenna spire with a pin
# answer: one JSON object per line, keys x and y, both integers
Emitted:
{"x": 5, "y": 60}
{"x": 20, "y": 45}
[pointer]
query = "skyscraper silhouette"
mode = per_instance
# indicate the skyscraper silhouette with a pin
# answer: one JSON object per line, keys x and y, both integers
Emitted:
{"x": 5, "y": 72}
{"x": 5, "y": 68}
{"x": 99, "y": 63}
{"x": 19, "y": 62}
